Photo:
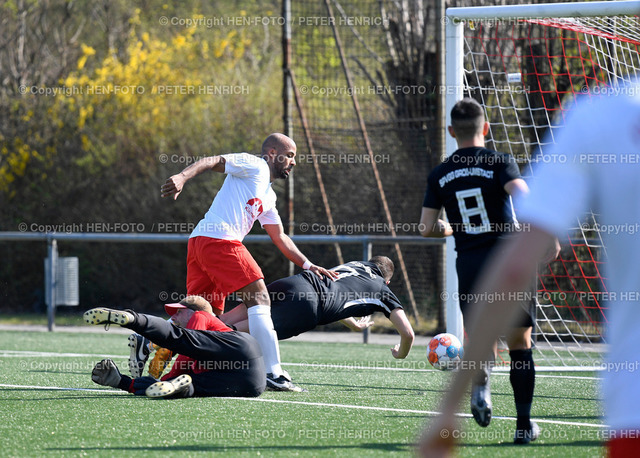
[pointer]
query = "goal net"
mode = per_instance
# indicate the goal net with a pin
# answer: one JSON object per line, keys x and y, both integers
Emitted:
{"x": 527, "y": 66}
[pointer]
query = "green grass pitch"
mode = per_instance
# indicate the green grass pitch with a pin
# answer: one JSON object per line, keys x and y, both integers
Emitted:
{"x": 361, "y": 402}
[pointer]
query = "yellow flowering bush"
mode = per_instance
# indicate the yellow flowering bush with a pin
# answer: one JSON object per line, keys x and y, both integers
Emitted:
{"x": 176, "y": 91}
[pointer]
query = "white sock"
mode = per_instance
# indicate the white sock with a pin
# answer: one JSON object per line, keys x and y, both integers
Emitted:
{"x": 261, "y": 328}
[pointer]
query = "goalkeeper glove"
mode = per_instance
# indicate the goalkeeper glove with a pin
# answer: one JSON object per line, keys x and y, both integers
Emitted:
{"x": 160, "y": 361}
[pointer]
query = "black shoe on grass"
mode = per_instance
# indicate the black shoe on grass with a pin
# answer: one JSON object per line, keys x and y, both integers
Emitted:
{"x": 282, "y": 383}
{"x": 139, "y": 354}
{"x": 524, "y": 436}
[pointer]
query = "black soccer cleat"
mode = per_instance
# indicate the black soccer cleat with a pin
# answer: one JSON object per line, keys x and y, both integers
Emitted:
{"x": 139, "y": 354}
{"x": 179, "y": 387}
{"x": 103, "y": 315}
{"x": 282, "y": 383}
{"x": 481, "y": 404}
{"x": 524, "y": 436}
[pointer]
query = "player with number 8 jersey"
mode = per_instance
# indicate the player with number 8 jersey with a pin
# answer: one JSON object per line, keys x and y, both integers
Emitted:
{"x": 474, "y": 185}
{"x": 471, "y": 186}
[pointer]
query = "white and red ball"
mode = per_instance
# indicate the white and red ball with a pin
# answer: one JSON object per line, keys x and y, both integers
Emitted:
{"x": 445, "y": 351}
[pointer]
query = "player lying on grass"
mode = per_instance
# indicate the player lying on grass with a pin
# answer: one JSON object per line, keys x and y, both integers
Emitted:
{"x": 220, "y": 362}
{"x": 193, "y": 312}
{"x": 304, "y": 301}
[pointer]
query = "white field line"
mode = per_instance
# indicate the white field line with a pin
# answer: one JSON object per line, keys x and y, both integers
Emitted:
{"x": 49, "y": 354}
{"x": 496, "y": 370}
{"x": 319, "y": 404}
{"x": 422, "y": 412}
{"x": 60, "y": 388}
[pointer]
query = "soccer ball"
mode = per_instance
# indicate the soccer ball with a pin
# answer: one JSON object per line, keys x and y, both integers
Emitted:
{"x": 445, "y": 351}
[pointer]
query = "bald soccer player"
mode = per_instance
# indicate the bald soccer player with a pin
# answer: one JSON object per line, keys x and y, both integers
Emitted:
{"x": 218, "y": 264}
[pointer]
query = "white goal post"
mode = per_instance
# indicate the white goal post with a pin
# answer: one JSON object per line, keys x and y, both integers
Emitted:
{"x": 525, "y": 64}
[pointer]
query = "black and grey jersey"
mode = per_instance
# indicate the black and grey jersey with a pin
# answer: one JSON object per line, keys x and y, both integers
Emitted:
{"x": 469, "y": 184}
{"x": 358, "y": 291}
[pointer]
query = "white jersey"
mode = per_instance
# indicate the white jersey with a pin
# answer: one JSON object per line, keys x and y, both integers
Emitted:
{"x": 595, "y": 164}
{"x": 245, "y": 196}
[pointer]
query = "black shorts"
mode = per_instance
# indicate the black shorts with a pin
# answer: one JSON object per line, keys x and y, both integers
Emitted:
{"x": 294, "y": 306}
{"x": 469, "y": 266}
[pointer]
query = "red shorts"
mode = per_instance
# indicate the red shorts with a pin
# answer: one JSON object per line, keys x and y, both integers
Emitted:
{"x": 217, "y": 268}
{"x": 624, "y": 446}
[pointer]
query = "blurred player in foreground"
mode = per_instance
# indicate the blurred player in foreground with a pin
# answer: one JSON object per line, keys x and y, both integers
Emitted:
{"x": 214, "y": 362}
{"x": 475, "y": 185}
{"x": 304, "y": 301}
{"x": 218, "y": 264}
{"x": 595, "y": 164}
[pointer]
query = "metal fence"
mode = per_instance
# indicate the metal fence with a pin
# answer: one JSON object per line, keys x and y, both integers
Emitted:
{"x": 365, "y": 241}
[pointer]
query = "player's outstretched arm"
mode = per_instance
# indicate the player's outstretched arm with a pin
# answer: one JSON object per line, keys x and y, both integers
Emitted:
{"x": 505, "y": 276}
{"x": 432, "y": 226}
{"x": 519, "y": 187}
{"x": 291, "y": 251}
{"x": 402, "y": 325}
{"x": 174, "y": 184}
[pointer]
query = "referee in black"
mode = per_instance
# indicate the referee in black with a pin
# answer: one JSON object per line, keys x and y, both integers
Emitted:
{"x": 301, "y": 302}
{"x": 475, "y": 185}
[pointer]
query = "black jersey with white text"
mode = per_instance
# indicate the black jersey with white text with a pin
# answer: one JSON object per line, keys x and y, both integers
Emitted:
{"x": 359, "y": 290}
{"x": 469, "y": 184}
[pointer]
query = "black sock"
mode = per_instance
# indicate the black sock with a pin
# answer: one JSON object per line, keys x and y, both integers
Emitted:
{"x": 125, "y": 383}
{"x": 522, "y": 377}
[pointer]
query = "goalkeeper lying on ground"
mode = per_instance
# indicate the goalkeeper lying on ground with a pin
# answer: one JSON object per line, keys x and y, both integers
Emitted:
{"x": 193, "y": 312}
{"x": 304, "y": 301}
{"x": 217, "y": 361}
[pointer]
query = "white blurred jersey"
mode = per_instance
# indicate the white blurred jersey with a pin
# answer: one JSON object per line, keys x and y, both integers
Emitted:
{"x": 595, "y": 165}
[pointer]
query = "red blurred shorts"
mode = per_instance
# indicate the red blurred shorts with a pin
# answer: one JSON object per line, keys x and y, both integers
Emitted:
{"x": 624, "y": 446}
{"x": 217, "y": 268}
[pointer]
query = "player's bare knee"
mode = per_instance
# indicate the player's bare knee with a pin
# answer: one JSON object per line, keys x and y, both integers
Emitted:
{"x": 256, "y": 298}
{"x": 255, "y": 293}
